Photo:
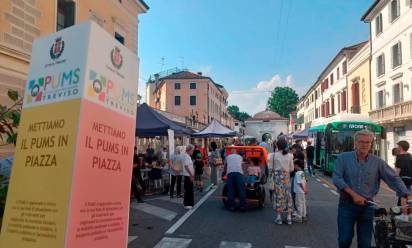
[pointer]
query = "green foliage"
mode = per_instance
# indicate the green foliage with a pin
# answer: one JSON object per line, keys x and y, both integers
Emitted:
{"x": 235, "y": 112}
{"x": 10, "y": 118}
{"x": 283, "y": 101}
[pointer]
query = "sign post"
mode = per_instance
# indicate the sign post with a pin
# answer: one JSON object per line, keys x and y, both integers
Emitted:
{"x": 70, "y": 184}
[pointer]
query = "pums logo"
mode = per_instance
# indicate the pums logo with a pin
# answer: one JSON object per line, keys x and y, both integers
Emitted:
{"x": 111, "y": 93}
{"x": 116, "y": 58}
{"x": 52, "y": 87}
{"x": 57, "y": 48}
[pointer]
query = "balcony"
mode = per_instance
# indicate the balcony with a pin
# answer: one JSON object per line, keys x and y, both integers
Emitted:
{"x": 397, "y": 112}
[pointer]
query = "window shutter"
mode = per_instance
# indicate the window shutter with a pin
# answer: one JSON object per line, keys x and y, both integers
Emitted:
{"x": 384, "y": 98}
{"x": 377, "y": 100}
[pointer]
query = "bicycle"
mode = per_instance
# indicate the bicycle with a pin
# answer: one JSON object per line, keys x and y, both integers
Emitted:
{"x": 391, "y": 228}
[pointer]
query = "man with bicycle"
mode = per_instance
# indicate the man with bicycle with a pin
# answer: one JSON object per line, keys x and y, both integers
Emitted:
{"x": 357, "y": 176}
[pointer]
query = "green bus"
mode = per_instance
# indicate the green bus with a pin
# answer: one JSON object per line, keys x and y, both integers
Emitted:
{"x": 331, "y": 139}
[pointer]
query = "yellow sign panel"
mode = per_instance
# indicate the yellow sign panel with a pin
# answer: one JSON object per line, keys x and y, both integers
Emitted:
{"x": 39, "y": 193}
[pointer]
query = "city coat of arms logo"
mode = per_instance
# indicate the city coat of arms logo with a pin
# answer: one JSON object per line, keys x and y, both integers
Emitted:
{"x": 116, "y": 57}
{"x": 57, "y": 48}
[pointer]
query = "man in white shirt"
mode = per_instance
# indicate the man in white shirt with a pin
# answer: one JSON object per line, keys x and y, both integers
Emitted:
{"x": 234, "y": 171}
{"x": 189, "y": 175}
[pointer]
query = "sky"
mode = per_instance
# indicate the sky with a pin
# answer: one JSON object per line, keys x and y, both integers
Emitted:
{"x": 249, "y": 46}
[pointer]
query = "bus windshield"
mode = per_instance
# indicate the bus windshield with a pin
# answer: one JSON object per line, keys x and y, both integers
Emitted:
{"x": 342, "y": 141}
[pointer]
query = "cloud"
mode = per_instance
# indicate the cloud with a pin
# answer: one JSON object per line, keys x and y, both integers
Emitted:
{"x": 254, "y": 100}
{"x": 206, "y": 70}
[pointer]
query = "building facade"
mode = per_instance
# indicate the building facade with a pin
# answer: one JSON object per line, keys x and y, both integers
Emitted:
{"x": 266, "y": 124}
{"x": 391, "y": 68}
{"x": 191, "y": 95}
{"x": 329, "y": 95}
{"x": 239, "y": 127}
{"x": 359, "y": 96}
{"x": 22, "y": 21}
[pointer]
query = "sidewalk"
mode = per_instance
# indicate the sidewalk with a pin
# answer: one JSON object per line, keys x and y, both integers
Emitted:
{"x": 149, "y": 221}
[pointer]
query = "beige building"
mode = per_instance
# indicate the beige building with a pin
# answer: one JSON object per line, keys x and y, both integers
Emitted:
{"x": 191, "y": 95}
{"x": 358, "y": 79}
{"x": 22, "y": 21}
{"x": 391, "y": 69}
{"x": 331, "y": 94}
{"x": 266, "y": 125}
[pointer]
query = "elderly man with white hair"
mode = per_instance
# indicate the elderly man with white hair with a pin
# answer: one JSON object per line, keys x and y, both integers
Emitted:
{"x": 234, "y": 171}
{"x": 357, "y": 175}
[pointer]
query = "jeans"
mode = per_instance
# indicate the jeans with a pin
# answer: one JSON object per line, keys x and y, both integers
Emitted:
{"x": 136, "y": 192}
{"x": 178, "y": 186}
{"x": 213, "y": 175}
{"x": 310, "y": 165}
{"x": 235, "y": 182}
{"x": 350, "y": 214}
{"x": 189, "y": 198}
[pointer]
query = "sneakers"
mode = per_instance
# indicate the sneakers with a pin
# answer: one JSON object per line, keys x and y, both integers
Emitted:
{"x": 294, "y": 213}
{"x": 188, "y": 207}
{"x": 289, "y": 221}
{"x": 278, "y": 221}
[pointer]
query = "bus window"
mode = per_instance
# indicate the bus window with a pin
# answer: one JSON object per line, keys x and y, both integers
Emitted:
{"x": 342, "y": 141}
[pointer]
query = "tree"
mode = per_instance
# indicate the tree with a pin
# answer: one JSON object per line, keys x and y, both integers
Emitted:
{"x": 283, "y": 101}
{"x": 235, "y": 112}
{"x": 10, "y": 118}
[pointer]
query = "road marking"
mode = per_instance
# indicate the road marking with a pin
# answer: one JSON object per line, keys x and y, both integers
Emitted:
{"x": 153, "y": 210}
{"x": 334, "y": 192}
{"x": 167, "y": 242}
{"x": 186, "y": 216}
{"x": 227, "y": 244}
{"x": 328, "y": 183}
{"x": 131, "y": 238}
{"x": 158, "y": 198}
{"x": 325, "y": 185}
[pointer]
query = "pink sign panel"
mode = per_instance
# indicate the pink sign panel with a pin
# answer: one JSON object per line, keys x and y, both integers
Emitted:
{"x": 99, "y": 206}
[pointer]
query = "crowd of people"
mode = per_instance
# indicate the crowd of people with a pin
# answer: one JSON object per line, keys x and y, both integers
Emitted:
{"x": 357, "y": 177}
{"x": 164, "y": 172}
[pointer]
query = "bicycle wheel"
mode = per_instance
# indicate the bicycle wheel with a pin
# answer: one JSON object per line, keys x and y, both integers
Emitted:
{"x": 381, "y": 234}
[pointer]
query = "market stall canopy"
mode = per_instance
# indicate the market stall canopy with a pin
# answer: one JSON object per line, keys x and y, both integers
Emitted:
{"x": 301, "y": 134}
{"x": 149, "y": 123}
{"x": 215, "y": 129}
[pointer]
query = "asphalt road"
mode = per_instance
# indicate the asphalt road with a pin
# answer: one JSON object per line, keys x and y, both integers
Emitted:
{"x": 211, "y": 225}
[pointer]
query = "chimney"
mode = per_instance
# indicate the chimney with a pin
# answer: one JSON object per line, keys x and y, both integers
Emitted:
{"x": 199, "y": 73}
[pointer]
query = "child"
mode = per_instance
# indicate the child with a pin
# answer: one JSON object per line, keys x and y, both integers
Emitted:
{"x": 300, "y": 189}
{"x": 198, "y": 170}
{"x": 254, "y": 172}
